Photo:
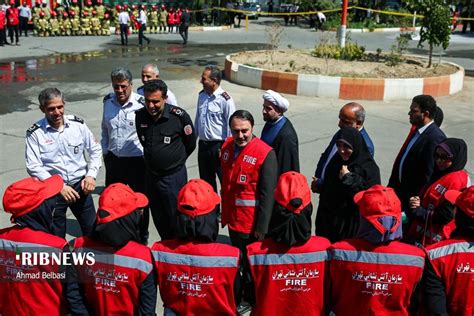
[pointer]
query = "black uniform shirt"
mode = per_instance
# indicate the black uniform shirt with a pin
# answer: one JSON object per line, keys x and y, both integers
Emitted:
{"x": 167, "y": 142}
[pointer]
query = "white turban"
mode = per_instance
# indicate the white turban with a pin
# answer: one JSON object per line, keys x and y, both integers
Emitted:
{"x": 277, "y": 100}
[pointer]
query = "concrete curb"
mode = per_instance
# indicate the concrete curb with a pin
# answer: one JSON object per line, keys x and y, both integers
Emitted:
{"x": 342, "y": 87}
{"x": 209, "y": 28}
{"x": 387, "y": 29}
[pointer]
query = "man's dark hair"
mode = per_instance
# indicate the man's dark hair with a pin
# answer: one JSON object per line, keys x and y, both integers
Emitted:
{"x": 49, "y": 94}
{"x": 243, "y": 115}
{"x": 121, "y": 74}
{"x": 215, "y": 73}
{"x": 156, "y": 85}
{"x": 426, "y": 103}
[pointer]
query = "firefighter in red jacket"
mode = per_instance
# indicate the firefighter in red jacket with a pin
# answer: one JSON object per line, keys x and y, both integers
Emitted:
{"x": 196, "y": 275}
{"x": 289, "y": 269}
{"x": 26, "y": 287}
{"x": 13, "y": 22}
{"x": 121, "y": 281}
{"x": 249, "y": 176}
{"x": 375, "y": 274}
{"x": 449, "y": 275}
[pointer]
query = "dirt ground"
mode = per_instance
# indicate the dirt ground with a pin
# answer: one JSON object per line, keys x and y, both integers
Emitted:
{"x": 301, "y": 61}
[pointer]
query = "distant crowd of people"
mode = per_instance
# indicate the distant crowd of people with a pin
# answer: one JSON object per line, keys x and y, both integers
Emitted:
{"x": 404, "y": 248}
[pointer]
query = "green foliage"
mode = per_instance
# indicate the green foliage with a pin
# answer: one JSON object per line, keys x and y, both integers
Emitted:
{"x": 395, "y": 57}
{"x": 436, "y": 24}
{"x": 351, "y": 51}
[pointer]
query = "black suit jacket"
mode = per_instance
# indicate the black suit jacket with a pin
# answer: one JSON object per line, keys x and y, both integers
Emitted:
{"x": 418, "y": 165}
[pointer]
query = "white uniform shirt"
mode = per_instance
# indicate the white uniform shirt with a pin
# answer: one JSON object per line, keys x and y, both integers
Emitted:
{"x": 51, "y": 151}
{"x": 25, "y": 12}
{"x": 123, "y": 17}
{"x": 170, "y": 100}
{"x": 142, "y": 18}
{"x": 119, "y": 134}
{"x": 212, "y": 115}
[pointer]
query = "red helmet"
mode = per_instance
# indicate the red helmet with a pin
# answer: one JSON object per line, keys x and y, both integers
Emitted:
{"x": 125, "y": 6}
{"x": 134, "y": 7}
{"x": 73, "y": 14}
{"x": 163, "y": 7}
{"x": 106, "y": 16}
{"x": 89, "y": 2}
{"x": 53, "y": 14}
{"x": 99, "y": 1}
{"x": 65, "y": 15}
{"x": 155, "y": 7}
{"x": 94, "y": 12}
{"x": 143, "y": 7}
{"x": 84, "y": 13}
{"x": 12, "y": 2}
{"x": 74, "y": 1}
{"x": 41, "y": 14}
{"x": 118, "y": 7}
{"x": 38, "y": 1}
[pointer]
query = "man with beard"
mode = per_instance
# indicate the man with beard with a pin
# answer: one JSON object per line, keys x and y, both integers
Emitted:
{"x": 414, "y": 166}
{"x": 279, "y": 133}
{"x": 56, "y": 144}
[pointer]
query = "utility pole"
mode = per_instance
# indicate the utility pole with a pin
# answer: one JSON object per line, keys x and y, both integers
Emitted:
{"x": 342, "y": 27}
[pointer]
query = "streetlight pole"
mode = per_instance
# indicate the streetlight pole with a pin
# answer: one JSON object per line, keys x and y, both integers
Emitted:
{"x": 342, "y": 27}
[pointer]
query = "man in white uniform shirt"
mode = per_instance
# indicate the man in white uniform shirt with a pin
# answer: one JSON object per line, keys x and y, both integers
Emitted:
{"x": 214, "y": 108}
{"x": 56, "y": 145}
{"x": 151, "y": 72}
{"x": 142, "y": 20}
{"x": 124, "y": 19}
{"x": 122, "y": 151}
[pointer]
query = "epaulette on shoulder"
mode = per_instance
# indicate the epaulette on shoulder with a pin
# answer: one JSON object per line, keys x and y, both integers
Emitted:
{"x": 141, "y": 99}
{"x": 32, "y": 128}
{"x": 108, "y": 97}
{"x": 225, "y": 95}
{"x": 76, "y": 119}
{"x": 176, "y": 111}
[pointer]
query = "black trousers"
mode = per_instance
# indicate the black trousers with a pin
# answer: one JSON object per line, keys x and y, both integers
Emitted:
{"x": 129, "y": 171}
{"x": 3, "y": 38}
{"x": 14, "y": 30}
{"x": 83, "y": 209}
{"x": 183, "y": 31}
{"x": 248, "y": 290}
{"x": 162, "y": 192}
{"x": 209, "y": 162}
{"x": 124, "y": 34}
{"x": 23, "y": 25}
{"x": 141, "y": 35}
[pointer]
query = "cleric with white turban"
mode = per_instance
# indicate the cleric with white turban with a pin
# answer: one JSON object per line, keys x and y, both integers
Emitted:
{"x": 278, "y": 131}
{"x": 277, "y": 100}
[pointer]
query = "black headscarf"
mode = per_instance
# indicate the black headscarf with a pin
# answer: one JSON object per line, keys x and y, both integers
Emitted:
{"x": 119, "y": 232}
{"x": 360, "y": 160}
{"x": 40, "y": 218}
{"x": 458, "y": 149}
{"x": 204, "y": 228}
{"x": 290, "y": 228}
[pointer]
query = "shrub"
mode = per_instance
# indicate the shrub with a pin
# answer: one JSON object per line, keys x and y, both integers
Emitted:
{"x": 351, "y": 51}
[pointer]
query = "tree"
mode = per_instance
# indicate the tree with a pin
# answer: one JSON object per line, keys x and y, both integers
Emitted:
{"x": 435, "y": 25}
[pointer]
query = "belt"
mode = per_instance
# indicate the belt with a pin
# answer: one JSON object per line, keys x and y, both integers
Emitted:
{"x": 210, "y": 142}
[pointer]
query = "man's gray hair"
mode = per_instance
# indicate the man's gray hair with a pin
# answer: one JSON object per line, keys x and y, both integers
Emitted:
{"x": 358, "y": 110}
{"x": 153, "y": 67}
{"x": 121, "y": 74}
{"x": 215, "y": 73}
{"x": 49, "y": 94}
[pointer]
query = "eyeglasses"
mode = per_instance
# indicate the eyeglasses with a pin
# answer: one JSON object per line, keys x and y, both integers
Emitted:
{"x": 120, "y": 86}
{"x": 443, "y": 157}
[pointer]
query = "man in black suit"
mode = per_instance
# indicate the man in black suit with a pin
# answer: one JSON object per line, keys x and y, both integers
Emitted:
{"x": 415, "y": 162}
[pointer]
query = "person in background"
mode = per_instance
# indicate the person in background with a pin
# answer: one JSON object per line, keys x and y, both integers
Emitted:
{"x": 351, "y": 170}
{"x": 433, "y": 214}
{"x": 25, "y": 17}
{"x": 151, "y": 72}
{"x": 448, "y": 284}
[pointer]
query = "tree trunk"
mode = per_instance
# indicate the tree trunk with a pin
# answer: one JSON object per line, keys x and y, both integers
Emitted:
{"x": 430, "y": 56}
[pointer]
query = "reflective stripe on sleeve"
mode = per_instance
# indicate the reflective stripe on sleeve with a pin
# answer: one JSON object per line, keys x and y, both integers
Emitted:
{"x": 461, "y": 247}
{"x": 288, "y": 258}
{"x": 241, "y": 202}
{"x": 119, "y": 260}
{"x": 195, "y": 261}
{"x": 377, "y": 258}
